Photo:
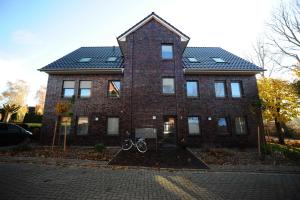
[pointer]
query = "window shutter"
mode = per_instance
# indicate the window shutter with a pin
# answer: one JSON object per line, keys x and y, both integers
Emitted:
{"x": 85, "y": 84}
{"x": 69, "y": 84}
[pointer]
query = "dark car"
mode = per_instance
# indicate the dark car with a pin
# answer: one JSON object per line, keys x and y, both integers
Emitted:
{"x": 11, "y": 134}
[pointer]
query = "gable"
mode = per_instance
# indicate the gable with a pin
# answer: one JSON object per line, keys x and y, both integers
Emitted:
{"x": 153, "y": 16}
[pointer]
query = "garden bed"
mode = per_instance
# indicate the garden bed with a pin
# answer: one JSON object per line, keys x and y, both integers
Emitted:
{"x": 235, "y": 156}
{"x": 87, "y": 153}
{"x": 164, "y": 158}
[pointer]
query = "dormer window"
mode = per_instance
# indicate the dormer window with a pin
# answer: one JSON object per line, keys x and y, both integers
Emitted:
{"x": 192, "y": 59}
{"x": 219, "y": 60}
{"x": 167, "y": 51}
{"x": 111, "y": 59}
{"x": 82, "y": 60}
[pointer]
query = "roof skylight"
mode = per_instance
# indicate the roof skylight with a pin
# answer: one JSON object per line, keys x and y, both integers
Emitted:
{"x": 192, "y": 59}
{"x": 85, "y": 59}
{"x": 219, "y": 60}
{"x": 111, "y": 59}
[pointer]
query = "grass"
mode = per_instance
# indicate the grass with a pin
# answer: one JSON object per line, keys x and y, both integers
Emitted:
{"x": 34, "y": 125}
{"x": 291, "y": 153}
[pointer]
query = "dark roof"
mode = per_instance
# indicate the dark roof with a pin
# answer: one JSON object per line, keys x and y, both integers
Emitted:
{"x": 204, "y": 55}
{"x": 98, "y": 55}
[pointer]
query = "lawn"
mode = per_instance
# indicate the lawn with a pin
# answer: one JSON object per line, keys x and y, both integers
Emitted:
{"x": 33, "y": 125}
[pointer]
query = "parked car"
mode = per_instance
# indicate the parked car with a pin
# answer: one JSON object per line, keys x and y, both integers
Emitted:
{"x": 11, "y": 134}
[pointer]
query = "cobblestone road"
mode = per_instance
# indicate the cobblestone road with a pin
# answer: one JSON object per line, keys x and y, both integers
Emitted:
{"x": 31, "y": 181}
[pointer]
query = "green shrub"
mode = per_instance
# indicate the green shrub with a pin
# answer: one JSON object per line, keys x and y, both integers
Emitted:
{"x": 22, "y": 147}
{"x": 99, "y": 147}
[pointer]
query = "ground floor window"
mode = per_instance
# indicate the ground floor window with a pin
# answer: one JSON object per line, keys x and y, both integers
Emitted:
{"x": 65, "y": 125}
{"x": 193, "y": 124}
{"x": 82, "y": 125}
{"x": 113, "y": 126}
{"x": 222, "y": 124}
{"x": 240, "y": 126}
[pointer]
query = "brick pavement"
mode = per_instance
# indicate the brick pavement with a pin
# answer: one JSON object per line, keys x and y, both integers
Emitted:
{"x": 33, "y": 181}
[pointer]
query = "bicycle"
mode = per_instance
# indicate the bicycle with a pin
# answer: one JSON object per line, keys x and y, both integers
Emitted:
{"x": 140, "y": 145}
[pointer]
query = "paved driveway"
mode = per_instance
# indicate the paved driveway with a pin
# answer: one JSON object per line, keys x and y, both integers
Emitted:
{"x": 31, "y": 181}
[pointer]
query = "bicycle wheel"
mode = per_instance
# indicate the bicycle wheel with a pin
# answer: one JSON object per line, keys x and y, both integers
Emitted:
{"x": 126, "y": 144}
{"x": 141, "y": 146}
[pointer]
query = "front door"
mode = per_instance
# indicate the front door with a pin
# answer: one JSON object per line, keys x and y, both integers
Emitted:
{"x": 170, "y": 129}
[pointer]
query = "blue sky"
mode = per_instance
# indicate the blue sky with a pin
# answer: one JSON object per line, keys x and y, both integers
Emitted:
{"x": 34, "y": 33}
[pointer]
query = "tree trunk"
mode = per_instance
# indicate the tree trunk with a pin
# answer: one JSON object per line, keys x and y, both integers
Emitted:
{"x": 7, "y": 116}
{"x": 65, "y": 138}
{"x": 279, "y": 131}
{"x": 54, "y": 134}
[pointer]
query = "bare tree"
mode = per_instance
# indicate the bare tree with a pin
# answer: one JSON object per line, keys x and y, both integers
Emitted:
{"x": 285, "y": 29}
{"x": 262, "y": 56}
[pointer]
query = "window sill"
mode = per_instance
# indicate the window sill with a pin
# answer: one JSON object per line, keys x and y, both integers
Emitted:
{"x": 113, "y": 97}
{"x": 167, "y": 59}
{"x": 111, "y": 135}
{"x": 168, "y": 94}
{"x": 193, "y": 136}
{"x": 66, "y": 97}
{"x": 84, "y": 97}
{"x": 191, "y": 98}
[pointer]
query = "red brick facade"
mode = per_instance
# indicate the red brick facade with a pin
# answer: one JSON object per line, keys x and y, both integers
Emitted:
{"x": 142, "y": 98}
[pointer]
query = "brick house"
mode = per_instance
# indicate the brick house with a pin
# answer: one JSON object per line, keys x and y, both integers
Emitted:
{"x": 153, "y": 81}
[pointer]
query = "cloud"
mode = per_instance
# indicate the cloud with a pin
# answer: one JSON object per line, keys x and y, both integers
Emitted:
{"x": 25, "y": 37}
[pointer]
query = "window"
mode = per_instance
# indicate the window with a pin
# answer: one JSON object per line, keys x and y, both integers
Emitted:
{"x": 193, "y": 124}
{"x": 65, "y": 125}
{"x": 113, "y": 126}
{"x": 192, "y": 88}
{"x": 167, "y": 51}
{"x": 85, "y": 89}
{"x": 240, "y": 126}
{"x": 223, "y": 126}
{"x": 236, "y": 89}
{"x": 82, "y": 125}
{"x": 192, "y": 59}
{"x": 219, "y": 60}
{"x": 220, "y": 89}
{"x": 168, "y": 86}
{"x": 68, "y": 89}
{"x": 114, "y": 88}
{"x": 111, "y": 59}
{"x": 85, "y": 59}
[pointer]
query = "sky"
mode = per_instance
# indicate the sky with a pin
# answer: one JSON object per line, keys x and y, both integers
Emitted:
{"x": 34, "y": 33}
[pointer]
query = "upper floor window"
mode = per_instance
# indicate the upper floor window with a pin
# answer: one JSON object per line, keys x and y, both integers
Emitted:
{"x": 168, "y": 86}
{"x": 192, "y": 88}
{"x": 240, "y": 125}
{"x": 220, "y": 89}
{"x": 68, "y": 89}
{"x": 192, "y": 59}
{"x": 236, "y": 89}
{"x": 84, "y": 59}
{"x": 167, "y": 51}
{"x": 219, "y": 60}
{"x": 193, "y": 124}
{"x": 114, "y": 88}
{"x": 111, "y": 59}
{"x": 85, "y": 88}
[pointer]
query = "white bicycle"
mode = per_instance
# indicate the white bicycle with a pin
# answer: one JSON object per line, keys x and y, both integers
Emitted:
{"x": 140, "y": 145}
